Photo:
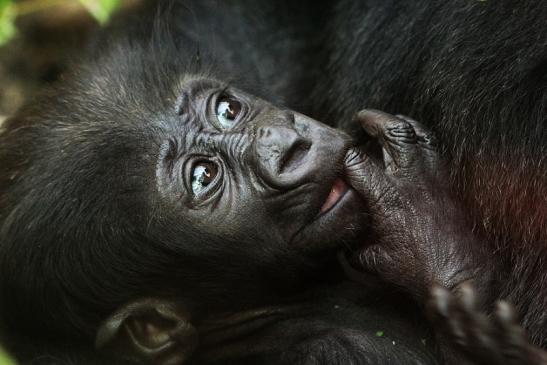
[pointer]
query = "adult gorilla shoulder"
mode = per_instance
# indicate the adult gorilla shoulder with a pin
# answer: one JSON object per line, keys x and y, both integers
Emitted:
{"x": 474, "y": 73}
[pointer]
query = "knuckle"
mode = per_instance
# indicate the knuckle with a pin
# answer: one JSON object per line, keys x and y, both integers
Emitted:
{"x": 430, "y": 139}
{"x": 400, "y": 132}
{"x": 399, "y": 126}
{"x": 355, "y": 157}
{"x": 429, "y": 142}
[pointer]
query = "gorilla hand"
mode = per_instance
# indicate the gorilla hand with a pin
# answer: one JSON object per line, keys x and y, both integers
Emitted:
{"x": 419, "y": 235}
{"x": 486, "y": 340}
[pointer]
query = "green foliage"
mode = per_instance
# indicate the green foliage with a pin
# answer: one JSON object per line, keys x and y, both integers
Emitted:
{"x": 7, "y": 17}
{"x": 101, "y": 10}
{"x": 5, "y": 359}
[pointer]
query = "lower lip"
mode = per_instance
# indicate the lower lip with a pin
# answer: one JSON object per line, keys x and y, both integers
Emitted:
{"x": 337, "y": 192}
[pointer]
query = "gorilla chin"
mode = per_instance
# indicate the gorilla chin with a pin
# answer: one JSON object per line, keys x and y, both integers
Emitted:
{"x": 341, "y": 217}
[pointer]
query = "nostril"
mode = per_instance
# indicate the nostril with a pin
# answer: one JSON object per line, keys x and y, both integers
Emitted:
{"x": 294, "y": 156}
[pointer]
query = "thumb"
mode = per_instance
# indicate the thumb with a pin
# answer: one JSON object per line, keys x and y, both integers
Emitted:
{"x": 365, "y": 176}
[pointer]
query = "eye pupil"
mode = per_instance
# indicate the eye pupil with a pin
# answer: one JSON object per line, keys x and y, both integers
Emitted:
{"x": 227, "y": 111}
{"x": 203, "y": 173}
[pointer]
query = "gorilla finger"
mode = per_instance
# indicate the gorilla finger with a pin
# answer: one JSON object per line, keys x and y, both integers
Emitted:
{"x": 365, "y": 176}
{"x": 475, "y": 322}
{"x": 426, "y": 139}
{"x": 506, "y": 315}
{"x": 507, "y": 323}
{"x": 440, "y": 313}
{"x": 471, "y": 329}
{"x": 515, "y": 343}
{"x": 382, "y": 126}
{"x": 438, "y": 301}
{"x": 468, "y": 298}
{"x": 396, "y": 136}
{"x": 440, "y": 309}
{"x": 423, "y": 134}
{"x": 463, "y": 324}
{"x": 517, "y": 349}
{"x": 467, "y": 315}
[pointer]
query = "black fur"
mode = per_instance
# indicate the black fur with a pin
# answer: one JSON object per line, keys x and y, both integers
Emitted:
{"x": 78, "y": 239}
{"x": 472, "y": 71}
{"x": 475, "y": 73}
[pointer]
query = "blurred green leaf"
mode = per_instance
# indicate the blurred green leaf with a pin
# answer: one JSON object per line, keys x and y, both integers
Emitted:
{"x": 7, "y": 18}
{"x": 100, "y": 9}
{"x": 5, "y": 359}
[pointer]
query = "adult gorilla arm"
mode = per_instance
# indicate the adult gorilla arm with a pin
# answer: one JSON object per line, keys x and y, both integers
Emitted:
{"x": 422, "y": 239}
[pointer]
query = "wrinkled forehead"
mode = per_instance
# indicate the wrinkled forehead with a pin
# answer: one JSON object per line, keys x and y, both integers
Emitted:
{"x": 130, "y": 99}
{"x": 134, "y": 92}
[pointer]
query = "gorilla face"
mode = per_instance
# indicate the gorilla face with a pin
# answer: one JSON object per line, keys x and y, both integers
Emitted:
{"x": 251, "y": 174}
{"x": 138, "y": 178}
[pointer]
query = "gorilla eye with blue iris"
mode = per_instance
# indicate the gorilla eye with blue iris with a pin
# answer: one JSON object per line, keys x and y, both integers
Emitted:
{"x": 227, "y": 112}
{"x": 203, "y": 174}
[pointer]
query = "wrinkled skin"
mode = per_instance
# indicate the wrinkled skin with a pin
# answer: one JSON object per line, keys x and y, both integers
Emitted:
{"x": 421, "y": 240}
{"x": 421, "y": 235}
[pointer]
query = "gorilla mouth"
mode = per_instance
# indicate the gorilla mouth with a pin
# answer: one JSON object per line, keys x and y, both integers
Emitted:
{"x": 337, "y": 192}
{"x": 335, "y": 220}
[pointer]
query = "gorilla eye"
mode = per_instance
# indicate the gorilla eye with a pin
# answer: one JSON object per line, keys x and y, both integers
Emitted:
{"x": 203, "y": 174}
{"x": 227, "y": 111}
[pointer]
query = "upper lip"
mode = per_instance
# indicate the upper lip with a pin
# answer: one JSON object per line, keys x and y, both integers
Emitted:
{"x": 322, "y": 209}
{"x": 349, "y": 146}
{"x": 341, "y": 166}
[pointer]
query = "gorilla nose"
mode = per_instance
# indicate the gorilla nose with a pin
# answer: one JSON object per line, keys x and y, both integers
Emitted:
{"x": 281, "y": 151}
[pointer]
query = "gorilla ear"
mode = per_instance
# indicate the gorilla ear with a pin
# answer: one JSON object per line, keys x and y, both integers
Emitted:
{"x": 149, "y": 331}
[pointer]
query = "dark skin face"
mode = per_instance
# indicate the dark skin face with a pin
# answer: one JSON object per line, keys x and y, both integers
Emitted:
{"x": 241, "y": 161}
{"x": 225, "y": 201}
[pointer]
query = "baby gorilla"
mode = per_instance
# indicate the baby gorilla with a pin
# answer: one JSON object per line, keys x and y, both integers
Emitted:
{"x": 161, "y": 229}
{"x": 148, "y": 212}
{"x": 162, "y": 216}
